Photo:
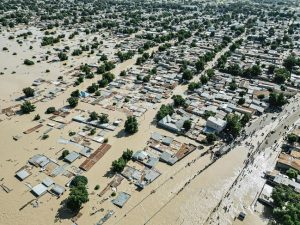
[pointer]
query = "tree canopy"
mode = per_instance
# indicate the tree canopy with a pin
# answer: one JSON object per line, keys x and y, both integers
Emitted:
{"x": 27, "y": 107}
{"x": 131, "y": 125}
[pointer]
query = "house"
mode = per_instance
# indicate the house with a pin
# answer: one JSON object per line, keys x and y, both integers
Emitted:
{"x": 216, "y": 124}
{"x": 121, "y": 199}
{"x": 140, "y": 155}
{"x": 171, "y": 124}
{"x": 71, "y": 157}
{"x": 22, "y": 174}
{"x": 286, "y": 162}
{"x": 58, "y": 190}
{"x": 39, "y": 190}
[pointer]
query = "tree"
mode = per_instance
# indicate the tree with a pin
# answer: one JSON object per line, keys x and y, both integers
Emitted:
{"x": 193, "y": 85}
{"x": 65, "y": 153}
{"x": 245, "y": 119}
{"x": 79, "y": 181}
{"x": 75, "y": 94}
{"x": 123, "y": 73}
{"x": 291, "y": 173}
{"x": 103, "y": 118}
{"x": 187, "y": 124}
{"x": 286, "y": 205}
{"x": 277, "y": 100}
{"x": 131, "y": 125}
{"x": 103, "y": 83}
{"x": 234, "y": 125}
{"x": 146, "y": 78}
{"x": 73, "y": 102}
{"x": 210, "y": 73}
{"x": 187, "y": 75}
{"x": 261, "y": 96}
{"x": 291, "y": 138}
{"x": 232, "y": 85}
{"x": 200, "y": 64}
{"x": 281, "y": 75}
{"x": 204, "y": 79}
{"x": 37, "y": 117}
{"x": 62, "y": 56}
{"x": 208, "y": 114}
{"x": 27, "y": 107}
{"x": 127, "y": 155}
{"x": 290, "y": 62}
{"x": 118, "y": 165}
{"x": 241, "y": 101}
{"x": 234, "y": 70}
{"x": 78, "y": 196}
{"x": 255, "y": 70}
{"x": 93, "y": 88}
{"x": 178, "y": 101}
{"x": 50, "y": 110}
{"x": 28, "y": 62}
{"x": 29, "y": 92}
{"x": 108, "y": 76}
{"x": 164, "y": 111}
{"x": 271, "y": 69}
{"x": 211, "y": 138}
{"x": 94, "y": 116}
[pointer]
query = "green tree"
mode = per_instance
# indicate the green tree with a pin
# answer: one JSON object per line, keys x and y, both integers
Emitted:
{"x": 37, "y": 117}
{"x": 65, "y": 153}
{"x": 75, "y": 94}
{"x": 241, "y": 101}
{"x": 131, "y": 125}
{"x": 286, "y": 205}
{"x": 78, "y": 196}
{"x": 146, "y": 78}
{"x": 118, "y": 165}
{"x": 281, "y": 75}
{"x": 291, "y": 173}
{"x": 79, "y": 181}
{"x": 187, "y": 124}
{"x": 234, "y": 125}
{"x": 73, "y": 102}
{"x": 245, "y": 119}
{"x": 123, "y": 73}
{"x": 200, "y": 64}
{"x": 164, "y": 111}
{"x": 291, "y": 138}
{"x": 103, "y": 118}
{"x": 127, "y": 155}
{"x": 178, "y": 101}
{"x": 93, "y": 88}
{"x": 277, "y": 100}
{"x": 187, "y": 74}
{"x": 62, "y": 56}
{"x": 50, "y": 110}
{"x": 27, "y": 107}
{"x": 210, "y": 73}
{"x": 29, "y": 92}
{"x": 290, "y": 62}
{"x": 204, "y": 79}
{"x": 255, "y": 70}
{"x": 94, "y": 116}
{"x": 211, "y": 138}
{"x": 28, "y": 62}
{"x": 232, "y": 85}
{"x": 193, "y": 85}
{"x": 261, "y": 96}
{"x": 271, "y": 69}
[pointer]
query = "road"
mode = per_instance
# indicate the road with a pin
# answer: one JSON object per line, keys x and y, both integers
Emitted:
{"x": 243, "y": 192}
